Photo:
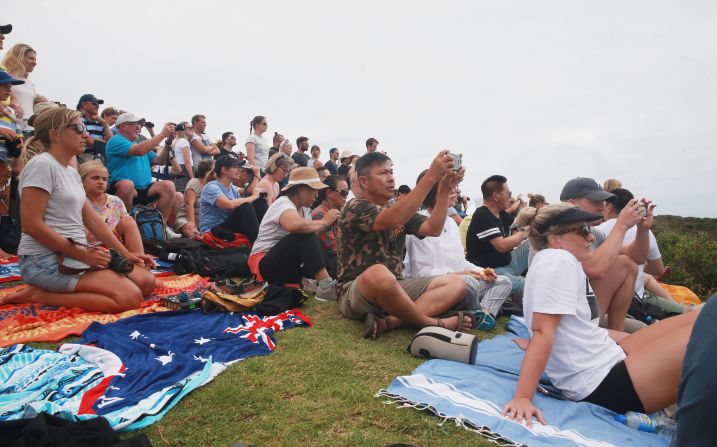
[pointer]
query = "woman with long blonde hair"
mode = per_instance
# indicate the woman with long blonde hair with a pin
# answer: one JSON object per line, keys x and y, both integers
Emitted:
{"x": 20, "y": 61}
{"x": 277, "y": 169}
{"x": 56, "y": 262}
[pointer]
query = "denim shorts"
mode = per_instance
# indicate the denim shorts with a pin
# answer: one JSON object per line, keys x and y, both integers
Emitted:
{"x": 41, "y": 271}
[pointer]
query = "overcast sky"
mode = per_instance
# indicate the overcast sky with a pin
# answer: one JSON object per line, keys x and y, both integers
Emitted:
{"x": 540, "y": 92}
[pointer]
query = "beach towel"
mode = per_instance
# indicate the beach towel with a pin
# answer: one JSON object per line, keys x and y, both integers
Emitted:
{"x": 23, "y": 323}
{"x": 9, "y": 270}
{"x": 64, "y": 383}
{"x": 473, "y": 396}
{"x": 161, "y": 349}
{"x": 681, "y": 294}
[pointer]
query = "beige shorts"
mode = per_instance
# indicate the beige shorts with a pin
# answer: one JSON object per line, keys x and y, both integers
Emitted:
{"x": 352, "y": 303}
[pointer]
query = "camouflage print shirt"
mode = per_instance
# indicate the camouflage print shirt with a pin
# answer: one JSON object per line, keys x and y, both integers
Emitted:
{"x": 360, "y": 246}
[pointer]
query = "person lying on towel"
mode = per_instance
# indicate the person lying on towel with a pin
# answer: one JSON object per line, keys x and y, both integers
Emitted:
{"x": 56, "y": 262}
{"x": 637, "y": 372}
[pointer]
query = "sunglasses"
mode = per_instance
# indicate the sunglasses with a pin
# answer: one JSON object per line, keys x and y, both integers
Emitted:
{"x": 79, "y": 128}
{"x": 343, "y": 192}
{"x": 583, "y": 231}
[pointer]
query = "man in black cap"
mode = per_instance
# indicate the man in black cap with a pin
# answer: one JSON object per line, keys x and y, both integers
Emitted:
{"x": 612, "y": 268}
{"x": 97, "y": 128}
{"x": 4, "y": 29}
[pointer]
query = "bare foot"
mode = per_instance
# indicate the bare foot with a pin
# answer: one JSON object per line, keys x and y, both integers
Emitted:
{"x": 23, "y": 296}
{"x": 522, "y": 343}
{"x": 453, "y": 324}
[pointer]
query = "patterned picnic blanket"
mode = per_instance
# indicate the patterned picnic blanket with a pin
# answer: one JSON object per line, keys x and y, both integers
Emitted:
{"x": 10, "y": 271}
{"x": 23, "y": 323}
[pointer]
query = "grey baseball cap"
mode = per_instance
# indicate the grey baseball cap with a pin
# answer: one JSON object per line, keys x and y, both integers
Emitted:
{"x": 580, "y": 187}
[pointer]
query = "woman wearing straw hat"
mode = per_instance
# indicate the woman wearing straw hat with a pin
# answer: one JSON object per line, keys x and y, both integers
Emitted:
{"x": 287, "y": 249}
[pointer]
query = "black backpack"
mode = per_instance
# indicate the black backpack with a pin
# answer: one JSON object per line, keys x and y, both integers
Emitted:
{"x": 169, "y": 249}
{"x": 646, "y": 312}
{"x": 224, "y": 263}
{"x": 150, "y": 223}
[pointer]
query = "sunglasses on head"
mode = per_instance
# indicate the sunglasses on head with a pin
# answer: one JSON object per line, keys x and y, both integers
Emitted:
{"x": 583, "y": 231}
{"x": 79, "y": 128}
{"x": 343, "y": 192}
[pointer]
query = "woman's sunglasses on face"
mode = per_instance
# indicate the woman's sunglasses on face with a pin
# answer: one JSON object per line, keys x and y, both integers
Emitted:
{"x": 78, "y": 127}
{"x": 583, "y": 231}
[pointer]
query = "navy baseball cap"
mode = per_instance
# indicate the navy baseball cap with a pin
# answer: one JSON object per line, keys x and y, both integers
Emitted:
{"x": 88, "y": 97}
{"x": 5, "y": 29}
{"x": 580, "y": 187}
{"x": 570, "y": 215}
{"x": 5, "y": 78}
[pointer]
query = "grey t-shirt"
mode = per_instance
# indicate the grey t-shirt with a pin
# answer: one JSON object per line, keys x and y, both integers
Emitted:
{"x": 261, "y": 154}
{"x": 196, "y": 155}
{"x": 63, "y": 212}
{"x": 270, "y": 230}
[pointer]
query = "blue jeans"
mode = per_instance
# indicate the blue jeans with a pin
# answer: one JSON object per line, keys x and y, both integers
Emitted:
{"x": 518, "y": 264}
{"x": 41, "y": 271}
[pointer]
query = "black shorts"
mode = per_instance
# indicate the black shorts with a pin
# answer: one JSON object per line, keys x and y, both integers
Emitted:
{"x": 142, "y": 198}
{"x": 616, "y": 392}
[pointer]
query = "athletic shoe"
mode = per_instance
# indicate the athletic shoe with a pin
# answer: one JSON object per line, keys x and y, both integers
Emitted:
{"x": 171, "y": 234}
{"x": 326, "y": 291}
{"x": 309, "y": 286}
{"x": 483, "y": 321}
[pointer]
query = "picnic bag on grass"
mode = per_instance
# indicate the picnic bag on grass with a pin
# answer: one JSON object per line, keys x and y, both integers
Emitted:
{"x": 150, "y": 223}
{"x": 204, "y": 261}
{"x": 436, "y": 342}
{"x": 219, "y": 298}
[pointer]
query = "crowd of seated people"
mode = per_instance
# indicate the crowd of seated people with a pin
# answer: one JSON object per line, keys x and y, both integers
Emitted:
{"x": 339, "y": 228}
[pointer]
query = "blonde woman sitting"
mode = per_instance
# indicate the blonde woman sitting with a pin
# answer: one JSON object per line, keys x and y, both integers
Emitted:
{"x": 277, "y": 169}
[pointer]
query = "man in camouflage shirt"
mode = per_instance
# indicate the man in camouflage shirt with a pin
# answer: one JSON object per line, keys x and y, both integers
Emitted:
{"x": 372, "y": 235}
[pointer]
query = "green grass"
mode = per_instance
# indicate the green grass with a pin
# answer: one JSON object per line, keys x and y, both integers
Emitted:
{"x": 316, "y": 389}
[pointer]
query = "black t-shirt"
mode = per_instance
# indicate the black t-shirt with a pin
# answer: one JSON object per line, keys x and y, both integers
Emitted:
{"x": 300, "y": 158}
{"x": 484, "y": 227}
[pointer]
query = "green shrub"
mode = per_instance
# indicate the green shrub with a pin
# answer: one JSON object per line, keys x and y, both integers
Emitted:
{"x": 693, "y": 259}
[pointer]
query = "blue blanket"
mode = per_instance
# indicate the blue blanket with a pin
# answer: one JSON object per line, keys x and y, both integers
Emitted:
{"x": 474, "y": 395}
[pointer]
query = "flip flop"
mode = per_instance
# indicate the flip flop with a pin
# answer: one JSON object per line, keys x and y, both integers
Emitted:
{"x": 379, "y": 324}
{"x": 459, "y": 321}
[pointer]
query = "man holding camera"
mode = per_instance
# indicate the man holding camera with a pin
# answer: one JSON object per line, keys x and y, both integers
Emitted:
{"x": 372, "y": 237}
{"x": 97, "y": 128}
{"x": 130, "y": 163}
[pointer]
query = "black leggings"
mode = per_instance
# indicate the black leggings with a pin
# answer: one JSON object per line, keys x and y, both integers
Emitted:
{"x": 245, "y": 219}
{"x": 294, "y": 257}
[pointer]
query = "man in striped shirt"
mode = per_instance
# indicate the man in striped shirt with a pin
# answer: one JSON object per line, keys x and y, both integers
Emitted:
{"x": 489, "y": 242}
{"x": 98, "y": 130}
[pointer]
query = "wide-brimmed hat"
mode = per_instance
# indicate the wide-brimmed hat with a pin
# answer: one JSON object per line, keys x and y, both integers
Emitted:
{"x": 39, "y": 108}
{"x": 346, "y": 154}
{"x": 304, "y": 176}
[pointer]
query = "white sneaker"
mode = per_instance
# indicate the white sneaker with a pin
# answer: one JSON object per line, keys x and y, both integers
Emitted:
{"x": 171, "y": 234}
{"x": 309, "y": 286}
{"x": 326, "y": 291}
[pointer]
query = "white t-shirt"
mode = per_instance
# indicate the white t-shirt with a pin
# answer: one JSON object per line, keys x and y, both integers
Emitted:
{"x": 25, "y": 94}
{"x": 270, "y": 230}
{"x": 432, "y": 256}
{"x": 583, "y": 353}
{"x": 653, "y": 252}
{"x": 64, "y": 206}
{"x": 261, "y": 154}
{"x": 178, "y": 148}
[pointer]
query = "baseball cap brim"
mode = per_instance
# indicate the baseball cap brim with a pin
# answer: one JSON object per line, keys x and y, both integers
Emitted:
{"x": 5, "y": 29}
{"x": 600, "y": 195}
{"x": 570, "y": 215}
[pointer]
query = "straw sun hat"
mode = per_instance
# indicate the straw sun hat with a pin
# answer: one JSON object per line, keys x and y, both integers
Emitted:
{"x": 304, "y": 176}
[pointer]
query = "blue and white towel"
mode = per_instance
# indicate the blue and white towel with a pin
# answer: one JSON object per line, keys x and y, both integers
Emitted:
{"x": 474, "y": 395}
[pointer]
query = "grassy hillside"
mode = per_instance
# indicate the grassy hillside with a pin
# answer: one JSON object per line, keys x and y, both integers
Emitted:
{"x": 689, "y": 246}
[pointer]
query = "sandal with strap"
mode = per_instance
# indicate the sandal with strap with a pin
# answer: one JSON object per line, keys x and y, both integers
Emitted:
{"x": 459, "y": 321}
{"x": 375, "y": 326}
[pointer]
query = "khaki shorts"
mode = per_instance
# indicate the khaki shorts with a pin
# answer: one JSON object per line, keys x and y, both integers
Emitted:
{"x": 352, "y": 303}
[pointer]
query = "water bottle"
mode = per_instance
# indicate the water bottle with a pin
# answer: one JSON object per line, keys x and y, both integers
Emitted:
{"x": 663, "y": 425}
